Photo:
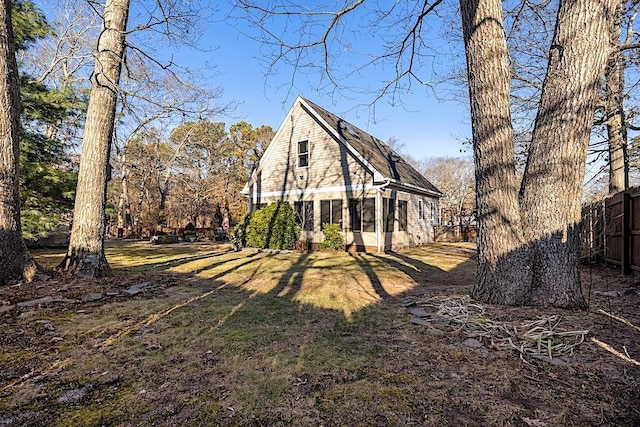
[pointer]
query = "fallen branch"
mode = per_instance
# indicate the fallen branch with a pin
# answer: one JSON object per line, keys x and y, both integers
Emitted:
{"x": 619, "y": 319}
{"x": 614, "y": 351}
{"x": 538, "y": 339}
{"x": 58, "y": 364}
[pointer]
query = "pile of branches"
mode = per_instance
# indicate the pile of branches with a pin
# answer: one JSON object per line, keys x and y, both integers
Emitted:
{"x": 537, "y": 339}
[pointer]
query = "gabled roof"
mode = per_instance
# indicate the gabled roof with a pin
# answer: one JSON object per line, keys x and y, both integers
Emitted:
{"x": 389, "y": 164}
{"x": 384, "y": 163}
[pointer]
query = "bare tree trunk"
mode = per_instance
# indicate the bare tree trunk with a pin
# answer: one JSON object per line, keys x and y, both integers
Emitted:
{"x": 15, "y": 260}
{"x": 530, "y": 255}
{"x": 553, "y": 181}
{"x": 124, "y": 203}
{"x": 503, "y": 256}
{"x": 86, "y": 247}
{"x": 143, "y": 193}
{"x": 616, "y": 121}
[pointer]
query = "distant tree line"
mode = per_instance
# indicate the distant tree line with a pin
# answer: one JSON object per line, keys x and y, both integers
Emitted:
{"x": 87, "y": 98}
{"x": 193, "y": 175}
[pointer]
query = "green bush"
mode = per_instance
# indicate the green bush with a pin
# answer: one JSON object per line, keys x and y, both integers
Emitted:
{"x": 333, "y": 238}
{"x": 272, "y": 227}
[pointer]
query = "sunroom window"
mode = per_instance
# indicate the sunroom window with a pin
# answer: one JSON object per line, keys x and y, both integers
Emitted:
{"x": 362, "y": 213}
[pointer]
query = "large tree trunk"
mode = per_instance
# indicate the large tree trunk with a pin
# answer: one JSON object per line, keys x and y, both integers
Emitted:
{"x": 86, "y": 247}
{"x": 530, "y": 255}
{"x": 615, "y": 117}
{"x": 553, "y": 180}
{"x": 502, "y": 253}
{"x": 15, "y": 261}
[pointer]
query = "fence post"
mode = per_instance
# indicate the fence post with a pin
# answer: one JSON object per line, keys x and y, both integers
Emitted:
{"x": 626, "y": 234}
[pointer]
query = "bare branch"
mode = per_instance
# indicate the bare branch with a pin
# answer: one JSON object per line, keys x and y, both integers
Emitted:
{"x": 315, "y": 40}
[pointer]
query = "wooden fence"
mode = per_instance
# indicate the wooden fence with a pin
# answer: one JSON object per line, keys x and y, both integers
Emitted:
{"x": 610, "y": 230}
{"x": 455, "y": 233}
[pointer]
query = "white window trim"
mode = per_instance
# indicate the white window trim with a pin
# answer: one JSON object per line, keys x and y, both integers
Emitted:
{"x": 308, "y": 153}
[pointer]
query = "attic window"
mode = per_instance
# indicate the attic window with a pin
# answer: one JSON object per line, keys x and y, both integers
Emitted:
{"x": 303, "y": 154}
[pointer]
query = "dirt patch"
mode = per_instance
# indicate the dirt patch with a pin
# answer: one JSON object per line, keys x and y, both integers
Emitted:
{"x": 214, "y": 345}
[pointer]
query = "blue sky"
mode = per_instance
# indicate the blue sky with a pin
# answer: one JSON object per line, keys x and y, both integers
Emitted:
{"x": 428, "y": 122}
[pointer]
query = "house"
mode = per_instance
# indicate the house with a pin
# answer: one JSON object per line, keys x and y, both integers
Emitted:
{"x": 333, "y": 172}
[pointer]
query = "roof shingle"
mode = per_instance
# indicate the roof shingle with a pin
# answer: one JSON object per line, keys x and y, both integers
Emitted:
{"x": 379, "y": 155}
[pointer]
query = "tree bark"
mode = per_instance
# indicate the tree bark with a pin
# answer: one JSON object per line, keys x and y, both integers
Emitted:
{"x": 551, "y": 193}
{"x": 86, "y": 247}
{"x": 615, "y": 117}
{"x": 15, "y": 260}
{"x": 503, "y": 255}
{"x": 529, "y": 254}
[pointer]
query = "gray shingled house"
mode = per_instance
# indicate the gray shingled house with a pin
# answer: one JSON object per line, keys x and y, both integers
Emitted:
{"x": 333, "y": 172}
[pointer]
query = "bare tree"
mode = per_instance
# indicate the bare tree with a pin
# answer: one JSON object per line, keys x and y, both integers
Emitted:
{"x": 16, "y": 260}
{"x": 149, "y": 100}
{"x": 551, "y": 192}
{"x": 63, "y": 61}
{"x": 529, "y": 32}
{"x": 454, "y": 176}
{"x": 614, "y": 115}
{"x": 501, "y": 246}
{"x": 171, "y": 21}
{"x": 399, "y": 31}
{"x": 86, "y": 247}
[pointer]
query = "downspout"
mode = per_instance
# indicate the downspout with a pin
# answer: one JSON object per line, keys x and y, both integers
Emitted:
{"x": 380, "y": 220}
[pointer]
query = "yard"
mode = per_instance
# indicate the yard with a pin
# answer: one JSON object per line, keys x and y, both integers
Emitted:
{"x": 193, "y": 334}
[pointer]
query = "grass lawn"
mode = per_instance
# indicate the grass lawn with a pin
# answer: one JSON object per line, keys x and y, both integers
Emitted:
{"x": 256, "y": 338}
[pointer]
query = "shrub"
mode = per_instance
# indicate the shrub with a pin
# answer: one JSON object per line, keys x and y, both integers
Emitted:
{"x": 272, "y": 227}
{"x": 239, "y": 233}
{"x": 333, "y": 238}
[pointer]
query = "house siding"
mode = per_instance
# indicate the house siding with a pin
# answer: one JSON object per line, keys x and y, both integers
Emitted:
{"x": 330, "y": 165}
{"x": 333, "y": 173}
{"x": 419, "y": 231}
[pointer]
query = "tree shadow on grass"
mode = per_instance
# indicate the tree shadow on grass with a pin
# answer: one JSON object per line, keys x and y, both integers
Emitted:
{"x": 291, "y": 279}
{"x": 176, "y": 262}
{"x": 429, "y": 277}
{"x": 254, "y": 256}
{"x": 365, "y": 265}
{"x": 271, "y": 357}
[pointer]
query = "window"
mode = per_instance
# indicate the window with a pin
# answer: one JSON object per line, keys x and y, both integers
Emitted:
{"x": 434, "y": 214}
{"x": 355, "y": 214}
{"x": 388, "y": 213}
{"x": 420, "y": 209}
{"x": 402, "y": 215}
{"x": 303, "y": 154}
{"x": 330, "y": 212}
{"x": 362, "y": 213}
{"x": 305, "y": 214}
{"x": 369, "y": 215}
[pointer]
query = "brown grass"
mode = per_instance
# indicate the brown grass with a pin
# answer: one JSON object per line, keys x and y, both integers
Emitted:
{"x": 254, "y": 338}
